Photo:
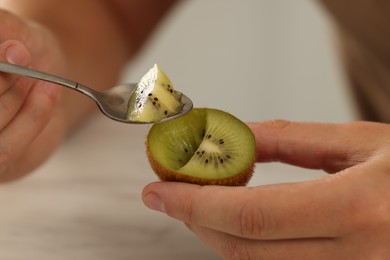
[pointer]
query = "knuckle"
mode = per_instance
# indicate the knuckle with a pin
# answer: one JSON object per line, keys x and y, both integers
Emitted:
{"x": 13, "y": 96}
{"x": 183, "y": 211}
{"x": 251, "y": 221}
{"x": 235, "y": 250}
{"x": 41, "y": 108}
{"x": 278, "y": 124}
{"x": 188, "y": 211}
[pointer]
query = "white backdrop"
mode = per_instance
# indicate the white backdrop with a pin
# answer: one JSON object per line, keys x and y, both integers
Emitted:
{"x": 258, "y": 59}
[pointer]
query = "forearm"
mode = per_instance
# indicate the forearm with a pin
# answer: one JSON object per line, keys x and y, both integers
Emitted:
{"x": 364, "y": 36}
{"x": 366, "y": 21}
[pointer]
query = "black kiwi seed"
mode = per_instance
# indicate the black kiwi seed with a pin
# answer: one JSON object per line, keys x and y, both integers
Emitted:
{"x": 150, "y": 94}
{"x": 203, "y": 133}
{"x": 186, "y": 150}
{"x": 221, "y": 141}
{"x": 155, "y": 99}
{"x": 154, "y": 103}
{"x": 209, "y": 136}
{"x": 206, "y": 161}
{"x": 165, "y": 112}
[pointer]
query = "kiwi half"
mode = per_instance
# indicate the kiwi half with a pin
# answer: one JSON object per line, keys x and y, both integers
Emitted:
{"x": 205, "y": 146}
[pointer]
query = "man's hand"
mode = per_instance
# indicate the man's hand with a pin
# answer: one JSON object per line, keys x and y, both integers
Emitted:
{"x": 86, "y": 41}
{"x": 29, "y": 110}
{"x": 340, "y": 216}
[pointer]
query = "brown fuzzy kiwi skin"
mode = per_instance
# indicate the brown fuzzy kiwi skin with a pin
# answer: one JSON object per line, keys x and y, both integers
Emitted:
{"x": 164, "y": 174}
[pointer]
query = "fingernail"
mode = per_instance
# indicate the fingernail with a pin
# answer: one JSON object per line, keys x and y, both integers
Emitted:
{"x": 153, "y": 201}
{"x": 17, "y": 55}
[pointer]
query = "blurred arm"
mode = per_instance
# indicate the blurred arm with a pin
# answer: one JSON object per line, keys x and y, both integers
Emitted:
{"x": 364, "y": 37}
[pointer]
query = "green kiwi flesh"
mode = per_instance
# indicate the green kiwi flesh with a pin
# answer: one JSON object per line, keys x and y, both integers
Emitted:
{"x": 205, "y": 146}
{"x": 154, "y": 98}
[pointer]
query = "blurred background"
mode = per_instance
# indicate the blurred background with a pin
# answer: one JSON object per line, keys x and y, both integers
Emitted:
{"x": 257, "y": 59}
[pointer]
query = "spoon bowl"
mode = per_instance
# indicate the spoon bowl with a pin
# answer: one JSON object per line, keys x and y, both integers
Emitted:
{"x": 113, "y": 102}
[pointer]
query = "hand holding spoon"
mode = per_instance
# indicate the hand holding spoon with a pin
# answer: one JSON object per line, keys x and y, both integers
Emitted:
{"x": 114, "y": 102}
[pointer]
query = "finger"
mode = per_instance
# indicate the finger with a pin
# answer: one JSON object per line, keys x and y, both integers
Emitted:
{"x": 331, "y": 147}
{"x": 328, "y": 207}
{"x": 28, "y": 159}
{"x": 13, "y": 89}
{"x": 26, "y": 126}
{"x": 29, "y": 121}
{"x": 231, "y": 247}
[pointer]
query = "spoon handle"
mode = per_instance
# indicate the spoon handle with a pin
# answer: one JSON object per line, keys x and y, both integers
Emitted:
{"x": 31, "y": 73}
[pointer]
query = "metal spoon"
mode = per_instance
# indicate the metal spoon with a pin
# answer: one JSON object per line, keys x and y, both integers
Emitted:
{"x": 112, "y": 102}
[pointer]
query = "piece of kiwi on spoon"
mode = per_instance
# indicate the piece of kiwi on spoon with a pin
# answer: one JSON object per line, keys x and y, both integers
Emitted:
{"x": 205, "y": 146}
{"x": 154, "y": 98}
